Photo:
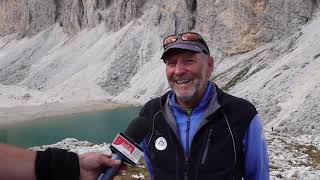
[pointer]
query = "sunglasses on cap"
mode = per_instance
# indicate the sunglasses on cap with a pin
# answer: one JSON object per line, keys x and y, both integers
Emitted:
{"x": 187, "y": 36}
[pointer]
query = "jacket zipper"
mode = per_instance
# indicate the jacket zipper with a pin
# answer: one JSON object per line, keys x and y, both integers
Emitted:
{"x": 186, "y": 169}
{"x": 209, "y": 139}
{"x": 187, "y": 134}
{"x": 186, "y": 163}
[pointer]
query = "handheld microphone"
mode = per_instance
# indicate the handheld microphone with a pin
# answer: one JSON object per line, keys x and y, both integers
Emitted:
{"x": 125, "y": 145}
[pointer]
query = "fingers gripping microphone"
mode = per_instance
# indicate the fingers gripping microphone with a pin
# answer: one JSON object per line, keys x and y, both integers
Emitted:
{"x": 125, "y": 150}
{"x": 125, "y": 145}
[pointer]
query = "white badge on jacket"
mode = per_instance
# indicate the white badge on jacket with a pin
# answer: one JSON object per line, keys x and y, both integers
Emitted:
{"x": 161, "y": 143}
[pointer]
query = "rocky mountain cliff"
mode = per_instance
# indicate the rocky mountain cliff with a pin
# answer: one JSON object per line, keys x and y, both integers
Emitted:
{"x": 231, "y": 27}
{"x": 267, "y": 51}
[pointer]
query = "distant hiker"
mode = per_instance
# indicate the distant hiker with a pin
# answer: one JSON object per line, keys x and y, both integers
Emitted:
{"x": 198, "y": 131}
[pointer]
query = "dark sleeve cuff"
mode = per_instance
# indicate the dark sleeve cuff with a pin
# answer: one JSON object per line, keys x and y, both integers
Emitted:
{"x": 54, "y": 163}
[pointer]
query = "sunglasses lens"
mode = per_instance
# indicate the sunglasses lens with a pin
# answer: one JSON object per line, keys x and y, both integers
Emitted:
{"x": 190, "y": 37}
{"x": 194, "y": 37}
{"x": 169, "y": 40}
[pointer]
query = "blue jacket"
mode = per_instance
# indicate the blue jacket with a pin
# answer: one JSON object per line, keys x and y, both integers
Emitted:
{"x": 256, "y": 161}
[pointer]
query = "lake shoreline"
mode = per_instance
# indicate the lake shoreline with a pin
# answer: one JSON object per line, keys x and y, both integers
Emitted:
{"x": 11, "y": 115}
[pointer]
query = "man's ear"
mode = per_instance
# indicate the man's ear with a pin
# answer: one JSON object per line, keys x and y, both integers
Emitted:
{"x": 210, "y": 65}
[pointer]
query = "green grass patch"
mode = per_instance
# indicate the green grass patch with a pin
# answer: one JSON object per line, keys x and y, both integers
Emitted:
{"x": 134, "y": 170}
{"x": 257, "y": 69}
{"x": 312, "y": 151}
{"x": 273, "y": 167}
{"x": 236, "y": 78}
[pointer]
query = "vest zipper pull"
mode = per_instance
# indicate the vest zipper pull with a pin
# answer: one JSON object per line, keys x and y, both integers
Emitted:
{"x": 209, "y": 139}
{"x": 186, "y": 169}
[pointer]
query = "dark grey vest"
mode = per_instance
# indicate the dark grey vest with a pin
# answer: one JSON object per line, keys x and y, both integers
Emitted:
{"x": 216, "y": 151}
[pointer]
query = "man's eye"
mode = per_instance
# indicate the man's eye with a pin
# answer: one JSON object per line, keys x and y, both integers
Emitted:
{"x": 189, "y": 61}
{"x": 171, "y": 64}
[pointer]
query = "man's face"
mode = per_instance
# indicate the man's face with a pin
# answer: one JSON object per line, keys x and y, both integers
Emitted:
{"x": 188, "y": 73}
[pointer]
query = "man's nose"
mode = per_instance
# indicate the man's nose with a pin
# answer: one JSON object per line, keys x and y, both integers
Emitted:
{"x": 180, "y": 68}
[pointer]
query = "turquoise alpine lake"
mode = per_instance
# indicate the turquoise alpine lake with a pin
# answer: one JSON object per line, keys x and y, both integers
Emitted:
{"x": 96, "y": 127}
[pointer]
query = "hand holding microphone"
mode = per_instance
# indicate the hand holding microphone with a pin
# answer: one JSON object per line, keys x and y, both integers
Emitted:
{"x": 125, "y": 145}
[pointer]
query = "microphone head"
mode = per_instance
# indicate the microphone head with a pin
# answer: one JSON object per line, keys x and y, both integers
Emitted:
{"x": 127, "y": 149}
{"x": 138, "y": 128}
{"x": 136, "y": 131}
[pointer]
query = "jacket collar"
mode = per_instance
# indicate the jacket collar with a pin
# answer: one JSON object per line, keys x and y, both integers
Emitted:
{"x": 211, "y": 109}
{"x": 216, "y": 100}
{"x": 203, "y": 104}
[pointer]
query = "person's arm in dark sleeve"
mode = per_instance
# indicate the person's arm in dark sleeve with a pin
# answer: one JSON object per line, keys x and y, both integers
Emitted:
{"x": 17, "y": 163}
{"x": 56, "y": 163}
{"x": 256, "y": 152}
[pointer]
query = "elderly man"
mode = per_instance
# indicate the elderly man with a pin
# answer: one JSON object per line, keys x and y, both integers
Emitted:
{"x": 199, "y": 132}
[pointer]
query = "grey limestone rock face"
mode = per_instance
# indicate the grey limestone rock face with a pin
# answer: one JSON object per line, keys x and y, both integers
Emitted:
{"x": 240, "y": 26}
{"x": 11, "y": 16}
{"x": 119, "y": 13}
{"x": 235, "y": 27}
{"x": 304, "y": 120}
{"x": 15, "y": 72}
{"x": 231, "y": 27}
{"x": 124, "y": 66}
{"x": 28, "y": 17}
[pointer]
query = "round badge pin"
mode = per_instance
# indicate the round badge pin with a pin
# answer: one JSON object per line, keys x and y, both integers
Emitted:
{"x": 161, "y": 143}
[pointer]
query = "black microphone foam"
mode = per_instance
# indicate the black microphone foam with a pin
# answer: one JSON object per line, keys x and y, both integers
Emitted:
{"x": 138, "y": 128}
